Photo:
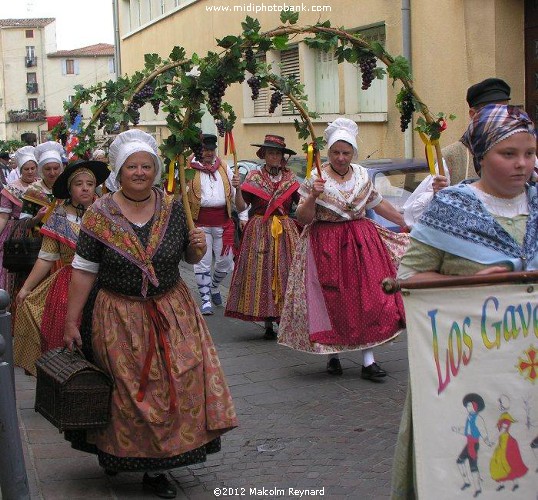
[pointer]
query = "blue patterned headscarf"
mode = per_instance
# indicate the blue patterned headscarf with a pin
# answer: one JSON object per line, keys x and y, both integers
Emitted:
{"x": 492, "y": 124}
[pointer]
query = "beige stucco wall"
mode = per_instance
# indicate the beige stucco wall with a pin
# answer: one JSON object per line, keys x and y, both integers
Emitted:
{"x": 13, "y": 53}
{"x": 454, "y": 43}
{"x": 92, "y": 70}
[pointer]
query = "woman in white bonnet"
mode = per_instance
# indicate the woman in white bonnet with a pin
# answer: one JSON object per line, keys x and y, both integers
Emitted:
{"x": 334, "y": 302}
{"x": 11, "y": 202}
{"x": 170, "y": 401}
{"x": 38, "y": 197}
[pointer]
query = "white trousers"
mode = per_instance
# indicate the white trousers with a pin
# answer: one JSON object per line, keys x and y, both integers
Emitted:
{"x": 223, "y": 264}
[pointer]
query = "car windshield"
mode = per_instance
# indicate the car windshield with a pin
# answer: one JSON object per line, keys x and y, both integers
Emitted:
{"x": 397, "y": 185}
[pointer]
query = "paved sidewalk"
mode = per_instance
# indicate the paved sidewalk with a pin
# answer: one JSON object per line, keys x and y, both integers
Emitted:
{"x": 298, "y": 428}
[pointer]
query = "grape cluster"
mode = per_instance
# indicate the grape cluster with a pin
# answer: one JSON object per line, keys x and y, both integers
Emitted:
{"x": 250, "y": 59}
{"x": 73, "y": 113}
{"x": 255, "y": 84}
{"x": 221, "y": 127}
{"x": 276, "y": 99}
{"x": 406, "y": 111}
{"x": 197, "y": 149}
{"x": 367, "y": 66}
{"x": 138, "y": 100}
{"x": 215, "y": 94}
{"x": 102, "y": 118}
{"x": 155, "y": 103}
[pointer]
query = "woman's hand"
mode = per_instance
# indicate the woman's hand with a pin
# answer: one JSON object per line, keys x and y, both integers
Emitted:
{"x": 72, "y": 336}
{"x": 318, "y": 187}
{"x": 197, "y": 239}
{"x": 23, "y": 293}
{"x": 36, "y": 219}
{"x": 439, "y": 182}
{"x": 492, "y": 270}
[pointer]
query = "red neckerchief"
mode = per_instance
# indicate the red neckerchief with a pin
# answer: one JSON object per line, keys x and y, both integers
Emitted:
{"x": 208, "y": 169}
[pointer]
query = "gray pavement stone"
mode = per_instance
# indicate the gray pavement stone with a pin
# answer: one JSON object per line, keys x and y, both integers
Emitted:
{"x": 319, "y": 431}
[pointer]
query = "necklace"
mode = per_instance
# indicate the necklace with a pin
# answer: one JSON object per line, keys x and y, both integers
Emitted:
{"x": 136, "y": 202}
{"x": 338, "y": 173}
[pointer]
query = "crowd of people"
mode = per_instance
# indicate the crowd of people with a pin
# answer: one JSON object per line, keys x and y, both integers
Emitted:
{"x": 107, "y": 277}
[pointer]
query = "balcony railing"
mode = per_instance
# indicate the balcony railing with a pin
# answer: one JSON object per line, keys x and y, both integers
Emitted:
{"x": 31, "y": 88}
{"x": 30, "y": 61}
{"x": 27, "y": 115}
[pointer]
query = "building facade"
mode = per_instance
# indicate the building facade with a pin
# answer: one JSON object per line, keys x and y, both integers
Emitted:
{"x": 24, "y": 44}
{"x": 36, "y": 79}
{"x": 452, "y": 44}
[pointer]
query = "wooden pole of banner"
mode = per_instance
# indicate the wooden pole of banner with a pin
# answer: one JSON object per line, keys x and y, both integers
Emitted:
{"x": 391, "y": 285}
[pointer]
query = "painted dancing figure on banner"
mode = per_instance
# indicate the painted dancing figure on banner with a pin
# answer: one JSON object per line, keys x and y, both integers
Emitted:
{"x": 474, "y": 429}
{"x": 506, "y": 463}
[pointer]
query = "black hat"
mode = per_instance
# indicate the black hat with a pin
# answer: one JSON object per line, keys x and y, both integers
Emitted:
{"x": 488, "y": 91}
{"x": 99, "y": 169}
{"x": 275, "y": 142}
{"x": 209, "y": 141}
{"x": 474, "y": 398}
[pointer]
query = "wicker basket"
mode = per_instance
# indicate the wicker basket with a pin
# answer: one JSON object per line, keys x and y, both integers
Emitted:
{"x": 71, "y": 393}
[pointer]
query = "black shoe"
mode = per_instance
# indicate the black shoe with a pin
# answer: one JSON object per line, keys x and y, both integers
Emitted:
{"x": 110, "y": 472}
{"x": 160, "y": 486}
{"x": 372, "y": 372}
{"x": 270, "y": 334}
{"x": 334, "y": 367}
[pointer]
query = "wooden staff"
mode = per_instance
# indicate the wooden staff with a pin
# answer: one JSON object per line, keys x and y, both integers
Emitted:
{"x": 181, "y": 162}
{"x": 391, "y": 285}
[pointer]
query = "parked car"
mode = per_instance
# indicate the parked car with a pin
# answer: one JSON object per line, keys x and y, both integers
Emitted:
{"x": 395, "y": 179}
{"x": 245, "y": 166}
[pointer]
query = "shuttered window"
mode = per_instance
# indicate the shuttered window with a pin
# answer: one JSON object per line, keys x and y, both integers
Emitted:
{"x": 289, "y": 63}
{"x": 327, "y": 93}
{"x": 261, "y": 105}
{"x": 375, "y": 98}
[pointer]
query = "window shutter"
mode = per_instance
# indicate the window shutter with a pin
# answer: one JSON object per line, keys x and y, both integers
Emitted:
{"x": 289, "y": 61}
{"x": 261, "y": 105}
{"x": 111, "y": 66}
{"x": 327, "y": 92}
{"x": 77, "y": 66}
{"x": 374, "y": 99}
{"x": 63, "y": 63}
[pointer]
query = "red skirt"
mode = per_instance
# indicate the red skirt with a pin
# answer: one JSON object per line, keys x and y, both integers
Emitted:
{"x": 351, "y": 261}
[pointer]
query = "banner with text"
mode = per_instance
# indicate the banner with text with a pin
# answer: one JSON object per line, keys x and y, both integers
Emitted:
{"x": 473, "y": 355}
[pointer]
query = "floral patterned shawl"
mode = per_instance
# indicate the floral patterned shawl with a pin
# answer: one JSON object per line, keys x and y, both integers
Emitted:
{"x": 459, "y": 223}
{"x": 259, "y": 183}
{"x": 105, "y": 222}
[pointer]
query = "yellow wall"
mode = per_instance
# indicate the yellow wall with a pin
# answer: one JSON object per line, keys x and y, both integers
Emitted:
{"x": 454, "y": 44}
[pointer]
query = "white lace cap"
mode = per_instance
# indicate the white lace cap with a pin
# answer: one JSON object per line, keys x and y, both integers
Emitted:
{"x": 130, "y": 142}
{"x": 342, "y": 129}
{"x": 24, "y": 154}
{"x": 48, "y": 152}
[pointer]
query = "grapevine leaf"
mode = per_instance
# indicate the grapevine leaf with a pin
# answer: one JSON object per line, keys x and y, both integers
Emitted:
{"x": 377, "y": 49}
{"x": 250, "y": 26}
{"x": 399, "y": 69}
{"x": 177, "y": 54}
{"x": 280, "y": 42}
{"x": 227, "y": 41}
{"x": 189, "y": 174}
{"x": 287, "y": 15}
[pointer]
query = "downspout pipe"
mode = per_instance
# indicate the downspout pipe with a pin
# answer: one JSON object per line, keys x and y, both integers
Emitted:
{"x": 117, "y": 51}
{"x": 406, "y": 52}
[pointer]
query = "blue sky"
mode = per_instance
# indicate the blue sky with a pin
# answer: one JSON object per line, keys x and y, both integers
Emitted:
{"x": 78, "y": 22}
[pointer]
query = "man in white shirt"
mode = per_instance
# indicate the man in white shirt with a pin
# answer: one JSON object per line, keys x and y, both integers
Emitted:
{"x": 457, "y": 161}
{"x": 211, "y": 196}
